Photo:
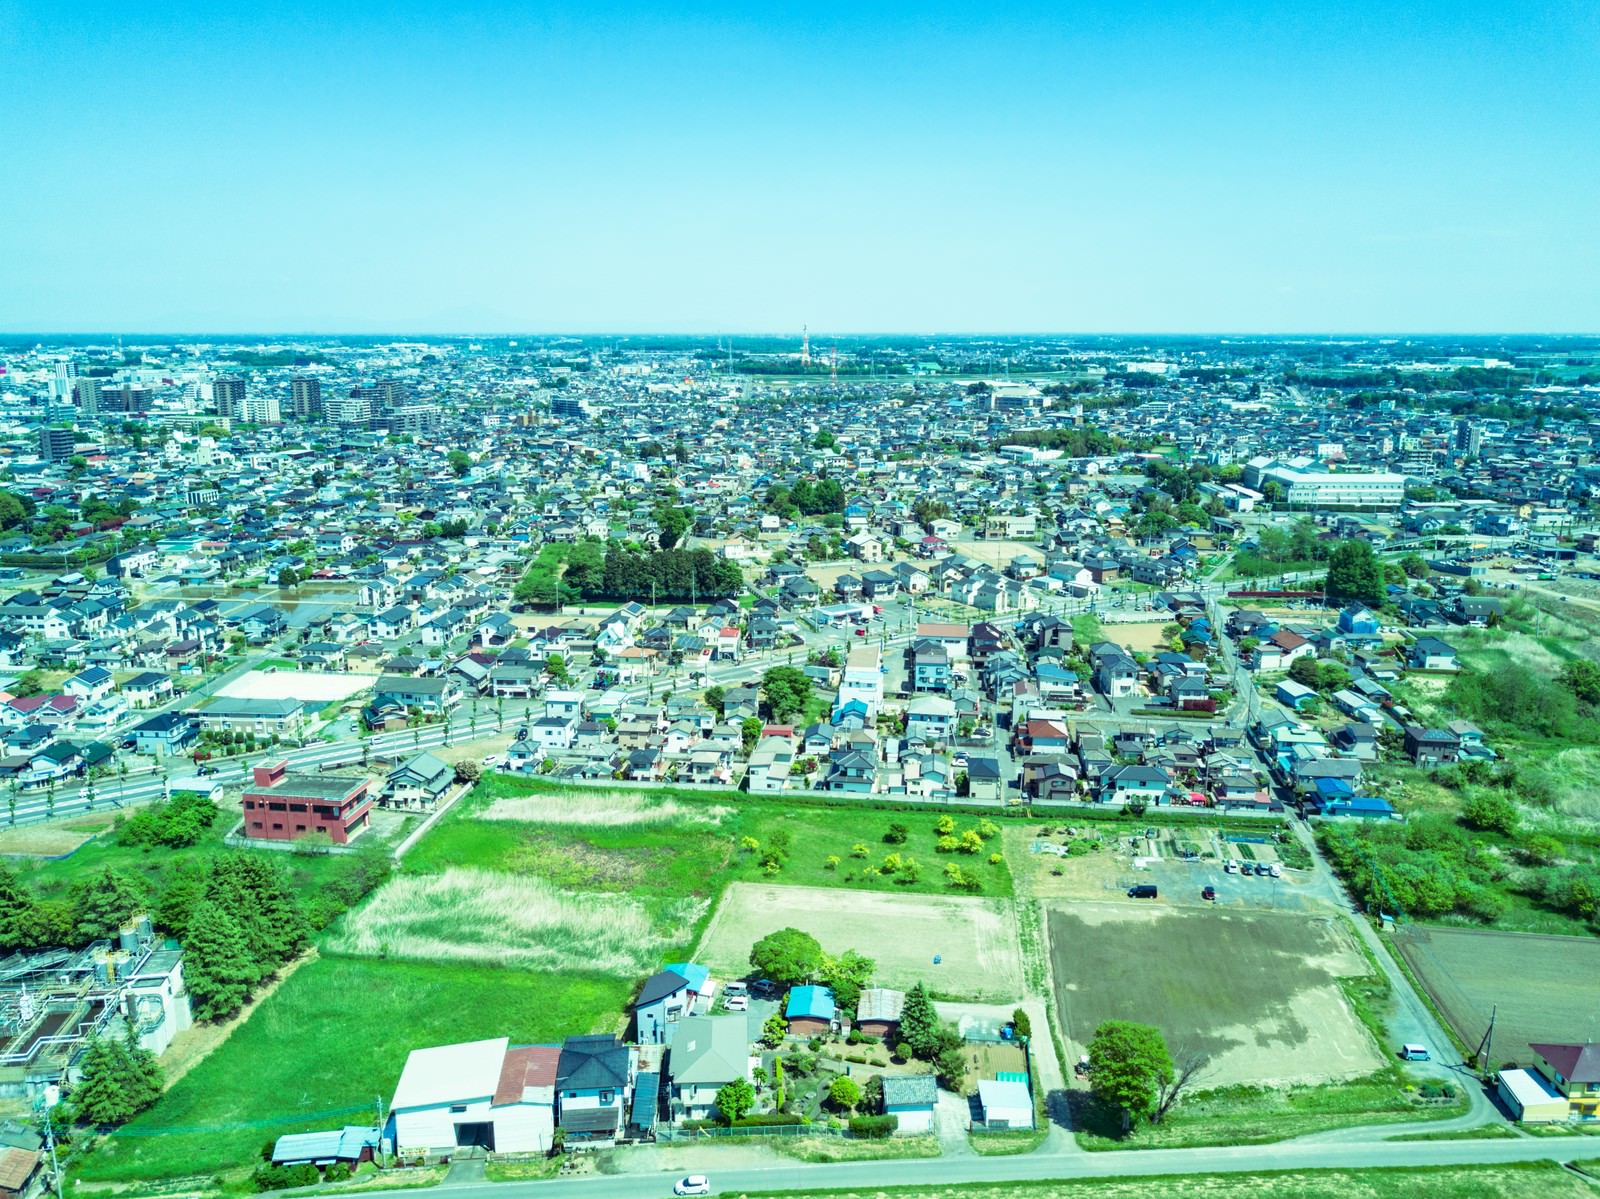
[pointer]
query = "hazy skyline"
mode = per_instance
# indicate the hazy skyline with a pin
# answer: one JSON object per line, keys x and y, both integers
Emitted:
{"x": 420, "y": 166}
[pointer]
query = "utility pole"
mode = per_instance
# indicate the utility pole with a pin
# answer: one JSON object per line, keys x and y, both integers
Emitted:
{"x": 50, "y": 1142}
{"x": 1481, "y": 1058}
{"x": 380, "y": 1131}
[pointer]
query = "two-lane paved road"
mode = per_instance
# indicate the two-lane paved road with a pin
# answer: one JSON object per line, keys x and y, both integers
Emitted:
{"x": 946, "y": 1172}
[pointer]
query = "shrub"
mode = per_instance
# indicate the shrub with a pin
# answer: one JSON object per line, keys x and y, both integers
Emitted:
{"x": 337, "y": 1172}
{"x": 1490, "y": 812}
{"x": 873, "y": 1128}
{"x": 897, "y": 834}
{"x": 766, "y": 1120}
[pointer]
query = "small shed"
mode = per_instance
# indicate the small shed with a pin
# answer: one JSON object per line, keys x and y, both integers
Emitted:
{"x": 1005, "y": 1103}
{"x": 1293, "y": 695}
{"x": 878, "y": 1011}
{"x": 350, "y": 1145}
{"x": 911, "y": 1099}
{"x": 1530, "y": 1099}
{"x": 17, "y": 1169}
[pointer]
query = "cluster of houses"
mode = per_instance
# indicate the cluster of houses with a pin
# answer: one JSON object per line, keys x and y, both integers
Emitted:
{"x": 599, "y": 1090}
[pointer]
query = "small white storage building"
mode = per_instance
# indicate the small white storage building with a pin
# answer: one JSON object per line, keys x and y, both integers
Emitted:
{"x": 1531, "y": 1099}
{"x": 1005, "y": 1104}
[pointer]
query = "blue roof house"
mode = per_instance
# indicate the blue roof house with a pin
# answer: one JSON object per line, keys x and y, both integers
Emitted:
{"x": 810, "y": 1010}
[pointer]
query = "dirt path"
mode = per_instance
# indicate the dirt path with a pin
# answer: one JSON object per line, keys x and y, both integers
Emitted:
{"x": 190, "y": 1047}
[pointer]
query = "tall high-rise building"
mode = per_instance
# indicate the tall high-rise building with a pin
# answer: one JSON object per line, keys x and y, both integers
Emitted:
{"x": 392, "y": 407}
{"x": 1469, "y": 438}
{"x": 55, "y": 445}
{"x": 126, "y": 398}
{"x": 306, "y": 398}
{"x": 86, "y": 395}
{"x": 66, "y": 376}
{"x": 229, "y": 391}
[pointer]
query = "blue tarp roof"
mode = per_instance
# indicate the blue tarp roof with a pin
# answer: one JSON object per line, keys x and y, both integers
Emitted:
{"x": 1334, "y": 787}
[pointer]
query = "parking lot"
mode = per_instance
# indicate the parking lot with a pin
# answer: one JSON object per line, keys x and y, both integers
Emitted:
{"x": 1098, "y": 863}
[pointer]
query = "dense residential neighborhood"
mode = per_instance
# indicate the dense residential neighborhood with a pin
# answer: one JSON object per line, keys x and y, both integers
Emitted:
{"x": 732, "y": 747}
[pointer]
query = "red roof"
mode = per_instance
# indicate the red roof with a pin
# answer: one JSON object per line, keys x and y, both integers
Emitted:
{"x": 1287, "y": 640}
{"x": 529, "y": 1066}
{"x": 1577, "y": 1063}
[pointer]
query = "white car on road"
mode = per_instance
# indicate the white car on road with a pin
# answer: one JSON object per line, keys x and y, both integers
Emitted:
{"x": 695, "y": 1184}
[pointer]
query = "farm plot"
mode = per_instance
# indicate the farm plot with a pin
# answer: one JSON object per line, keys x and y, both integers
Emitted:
{"x": 975, "y": 939}
{"x": 1543, "y": 985}
{"x": 1256, "y": 993}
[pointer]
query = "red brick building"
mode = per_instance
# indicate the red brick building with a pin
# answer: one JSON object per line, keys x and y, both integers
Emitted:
{"x": 281, "y": 806}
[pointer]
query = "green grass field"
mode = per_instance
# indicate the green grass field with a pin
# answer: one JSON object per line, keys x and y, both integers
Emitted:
{"x": 1532, "y": 1180}
{"x": 321, "y": 1050}
{"x": 334, "y": 1037}
{"x": 683, "y": 858}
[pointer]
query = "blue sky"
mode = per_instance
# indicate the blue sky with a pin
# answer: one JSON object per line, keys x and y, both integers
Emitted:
{"x": 1125, "y": 165}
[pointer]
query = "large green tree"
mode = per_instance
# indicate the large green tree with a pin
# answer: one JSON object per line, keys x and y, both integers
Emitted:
{"x": 787, "y": 956}
{"x": 120, "y": 1079}
{"x": 1129, "y": 1067}
{"x": 735, "y": 1099}
{"x": 104, "y": 902}
{"x": 217, "y": 965}
{"x": 846, "y": 975}
{"x": 786, "y": 689}
{"x": 1355, "y": 573}
{"x": 919, "y": 1023}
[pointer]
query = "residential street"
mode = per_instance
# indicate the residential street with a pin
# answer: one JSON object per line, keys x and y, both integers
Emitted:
{"x": 1307, "y": 1154}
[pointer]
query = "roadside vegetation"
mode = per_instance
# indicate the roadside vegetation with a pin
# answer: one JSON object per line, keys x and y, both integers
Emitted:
{"x": 1513, "y": 843}
{"x": 1546, "y": 1180}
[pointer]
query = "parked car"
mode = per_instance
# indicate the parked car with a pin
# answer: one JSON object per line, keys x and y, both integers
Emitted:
{"x": 1208, "y": 892}
{"x": 861, "y": 631}
{"x": 737, "y": 1003}
{"x": 1262, "y": 869}
{"x": 736, "y": 987}
{"x": 1275, "y": 870}
{"x": 1142, "y": 891}
{"x": 1414, "y": 1053}
{"x": 1230, "y": 866}
{"x": 694, "y": 1184}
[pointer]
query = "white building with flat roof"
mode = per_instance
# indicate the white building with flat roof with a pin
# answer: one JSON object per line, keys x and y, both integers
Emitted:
{"x": 1304, "y": 482}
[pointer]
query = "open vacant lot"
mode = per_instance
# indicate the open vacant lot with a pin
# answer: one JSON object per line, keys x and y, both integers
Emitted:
{"x": 1544, "y": 985}
{"x": 312, "y": 686}
{"x": 1256, "y": 993}
{"x": 975, "y": 939}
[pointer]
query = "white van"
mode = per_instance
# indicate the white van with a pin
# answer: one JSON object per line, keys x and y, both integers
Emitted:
{"x": 1414, "y": 1053}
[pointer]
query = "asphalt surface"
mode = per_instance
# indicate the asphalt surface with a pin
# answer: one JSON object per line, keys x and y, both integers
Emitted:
{"x": 945, "y": 1172}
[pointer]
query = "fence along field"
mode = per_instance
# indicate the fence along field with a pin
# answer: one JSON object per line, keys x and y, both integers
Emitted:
{"x": 1545, "y": 985}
